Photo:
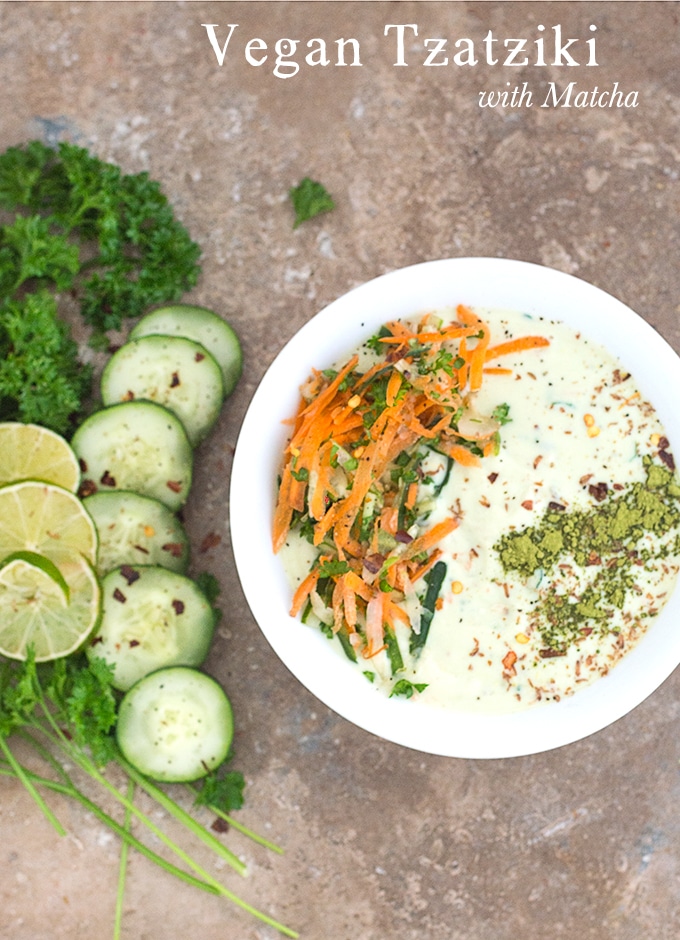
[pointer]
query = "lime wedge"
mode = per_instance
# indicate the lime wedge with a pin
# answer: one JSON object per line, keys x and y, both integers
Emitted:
{"x": 47, "y": 519}
{"x": 31, "y": 452}
{"x": 37, "y": 613}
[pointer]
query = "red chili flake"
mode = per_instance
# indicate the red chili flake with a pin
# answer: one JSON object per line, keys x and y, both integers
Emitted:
{"x": 133, "y": 643}
{"x": 219, "y": 825}
{"x": 551, "y": 654}
{"x": 178, "y": 606}
{"x": 174, "y": 548}
{"x": 667, "y": 458}
{"x": 556, "y": 507}
{"x": 82, "y": 464}
{"x": 509, "y": 661}
{"x": 174, "y": 381}
{"x": 199, "y": 357}
{"x": 585, "y": 479}
{"x": 593, "y": 559}
{"x": 492, "y": 477}
{"x": 128, "y": 396}
{"x": 87, "y": 488}
{"x": 528, "y": 504}
{"x": 212, "y": 540}
{"x": 96, "y": 639}
{"x": 174, "y": 485}
{"x": 119, "y": 596}
{"x": 106, "y": 479}
{"x": 140, "y": 548}
{"x": 598, "y": 491}
{"x": 129, "y": 574}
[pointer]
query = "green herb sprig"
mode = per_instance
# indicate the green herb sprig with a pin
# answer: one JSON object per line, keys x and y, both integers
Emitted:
{"x": 66, "y": 711}
{"x": 83, "y": 227}
{"x": 310, "y": 199}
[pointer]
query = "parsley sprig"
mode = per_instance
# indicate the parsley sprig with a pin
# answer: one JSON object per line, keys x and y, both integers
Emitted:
{"x": 78, "y": 225}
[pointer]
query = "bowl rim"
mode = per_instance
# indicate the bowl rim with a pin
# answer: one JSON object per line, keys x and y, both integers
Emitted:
{"x": 337, "y": 329}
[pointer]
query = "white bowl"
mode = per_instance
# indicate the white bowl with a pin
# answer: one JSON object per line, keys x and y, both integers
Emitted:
{"x": 336, "y": 331}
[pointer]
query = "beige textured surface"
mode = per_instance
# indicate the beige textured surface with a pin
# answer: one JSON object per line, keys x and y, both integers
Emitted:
{"x": 380, "y": 842}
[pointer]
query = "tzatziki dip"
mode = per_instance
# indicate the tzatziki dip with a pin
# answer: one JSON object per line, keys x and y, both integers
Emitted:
{"x": 480, "y": 508}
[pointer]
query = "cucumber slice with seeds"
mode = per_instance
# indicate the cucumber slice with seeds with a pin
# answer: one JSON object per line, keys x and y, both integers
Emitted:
{"x": 136, "y": 530}
{"x": 137, "y": 446}
{"x": 151, "y": 618}
{"x": 175, "y": 725}
{"x": 205, "y": 327}
{"x": 171, "y": 371}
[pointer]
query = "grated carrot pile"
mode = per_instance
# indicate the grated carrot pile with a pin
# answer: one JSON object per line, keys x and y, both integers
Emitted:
{"x": 352, "y": 481}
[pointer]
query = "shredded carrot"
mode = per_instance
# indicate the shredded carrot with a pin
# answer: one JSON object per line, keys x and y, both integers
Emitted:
{"x": 478, "y": 352}
{"x": 353, "y": 440}
{"x": 303, "y": 591}
{"x": 393, "y": 387}
{"x": 429, "y": 337}
{"x": 429, "y": 539}
{"x": 375, "y": 634}
{"x": 283, "y": 512}
{"x": 422, "y": 570}
{"x": 515, "y": 345}
{"x": 461, "y": 454}
{"x": 349, "y": 603}
{"x": 389, "y": 519}
{"x": 411, "y": 496}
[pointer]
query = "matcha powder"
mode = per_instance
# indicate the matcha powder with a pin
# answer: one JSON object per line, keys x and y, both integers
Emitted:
{"x": 586, "y": 562}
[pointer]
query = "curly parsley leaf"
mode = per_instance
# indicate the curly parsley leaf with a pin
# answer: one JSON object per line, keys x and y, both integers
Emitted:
{"x": 41, "y": 378}
{"x": 30, "y": 250}
{"x": 310, "y": 199}
{"x": 82, "y": 225}
{"x": 222, "y": 792}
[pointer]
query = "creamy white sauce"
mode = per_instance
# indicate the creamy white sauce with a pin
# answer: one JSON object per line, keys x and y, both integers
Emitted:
{"x": 577, "y": 418}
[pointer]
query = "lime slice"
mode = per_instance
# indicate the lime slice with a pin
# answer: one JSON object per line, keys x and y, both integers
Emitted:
{"x": 31, "y": 452}
{"x": 42, "y": 564}
{"x": 47, "y": 519}
{"x": 35, "y": 611}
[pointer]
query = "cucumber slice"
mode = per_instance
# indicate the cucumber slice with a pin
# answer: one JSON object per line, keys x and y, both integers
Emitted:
{"x": 151, "y": 617}
{"x": 137, "y": 446}
{"x": 171, "y": 371}
{"x": 203, "y": 326}
{"x": 175, "y": 725}
{"x": 136, "y": 530}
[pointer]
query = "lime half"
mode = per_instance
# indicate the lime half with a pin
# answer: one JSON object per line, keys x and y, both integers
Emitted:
{"x": 44, "y": 608}
{"x": 47, "y": 519}
{"x": 32, "y": 452}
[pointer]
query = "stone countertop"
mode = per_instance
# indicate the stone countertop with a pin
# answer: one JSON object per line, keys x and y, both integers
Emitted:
{"x": 381, "y": 842}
